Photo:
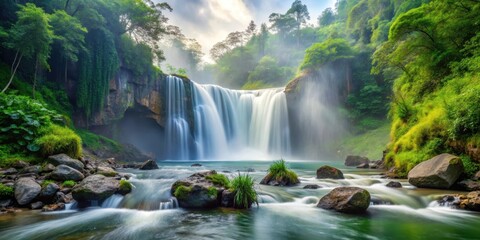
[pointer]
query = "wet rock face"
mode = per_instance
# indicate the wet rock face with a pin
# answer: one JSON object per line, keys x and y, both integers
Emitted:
{"x": 346, "y": 200}
{"x": 441, "y": 171}
{"x": 329, "y": 172}
{"x": 26, "y": 189}
{"x": 149, "y": 165}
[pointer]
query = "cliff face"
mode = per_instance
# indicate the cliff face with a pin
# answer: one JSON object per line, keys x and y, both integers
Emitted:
{"x": 126, "y": 92}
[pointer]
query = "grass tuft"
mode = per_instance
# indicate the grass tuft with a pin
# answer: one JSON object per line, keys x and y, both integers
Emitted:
{"x": 245, "y": 194}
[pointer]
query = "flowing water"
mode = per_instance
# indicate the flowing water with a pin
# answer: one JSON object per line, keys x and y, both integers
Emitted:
{"x": 211, "y": 122}
{"x": 150, "y": 212}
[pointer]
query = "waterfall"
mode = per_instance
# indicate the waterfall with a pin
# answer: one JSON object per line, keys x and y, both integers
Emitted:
{"x": 211, "y": 122}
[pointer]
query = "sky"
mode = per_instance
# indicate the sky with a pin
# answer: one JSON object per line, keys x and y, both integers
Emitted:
{"x": 210, "y": 21}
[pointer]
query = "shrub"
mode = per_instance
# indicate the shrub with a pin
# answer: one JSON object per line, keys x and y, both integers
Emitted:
{"x": 212, "y": 192}
{"x": 470, "y": 167}
{"x": 125, "y": 186}
{"x": 219, "y": 179}
{"x": 278, "y": 171}
{"x": 21, "y": 121}
{"x": 69, "y": 184}
{"x": 60, "y": 140}
{"x": 5, "y": 192}
{"x": 244, "y": 191}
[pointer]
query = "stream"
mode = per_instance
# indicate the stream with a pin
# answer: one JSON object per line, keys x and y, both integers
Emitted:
{"x": 150, "y": 212}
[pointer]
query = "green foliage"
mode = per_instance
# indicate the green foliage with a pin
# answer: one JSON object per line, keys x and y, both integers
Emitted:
{"x": 95, "y": 142}
{"x": 219, "y": 179}
{"x": 6, "y": 192}
{"x": 69, "y": 34}
{"x": 181, "y": 192}
{"x": 97, "y": 67}
{"x": 69, "y": 184}
{"x": 268, "y": 73}
{"x": 470, "y": 167}
{"x": 244, "y": 191}
{"x": 279, "y": 170}
{"x": 125, "y": 186}
{"x": 46, "y": 182}
{"x": 255, "y": 85}
{"x": 321, "y": 53}
{"x": 21, "y": 121}
{"x": 59, "y": 139}
{"x": 137, "y": 58}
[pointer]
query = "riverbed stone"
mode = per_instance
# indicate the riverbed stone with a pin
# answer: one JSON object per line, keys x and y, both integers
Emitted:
{"x": 468, "y": 185}
{"x": 197, "y": 191}
{"x": 53, "y": 207}
{"x": 196, "y": 165}
{"x": 64, "y": 159}
{"x": 48, "y": 192}
{"x": 149, "y": 165}
{"x": 36, "y": 205}
{"x": 469, "y": 201}
{"x": 353, "y": 161}
{"x": 312, "y": 186}
{"x": 346, "y": 200}
{"x": 95, "y": 188}
{"x": 64, "y": 172}
{"x": 26, "y": 189}
{"x": 393, "y": 184}
{"x": 227, "y": 198}
{"x": 329, "y": 172}
{"x": 441, "y": 172}
{"x": 106, "y": 171}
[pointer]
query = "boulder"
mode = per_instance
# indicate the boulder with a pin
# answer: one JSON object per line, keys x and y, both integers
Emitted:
{"x": 35, "y": 169}
{"x": 95, "y": 188}
{"x": 106, "y": 171}
{"x": 312, "y": 186}
{"x": 9, "y": 171}
{"x": 196, "y": 165}
{"x": 20, "y": 164}
{"x": 393, "y": 184}
{"x": 64, "y": 159}
{"x": 36, "y": 205}
{"x": 468, "y": 185}
{"x": 363, "y": 165}
{"x": 227, "y": 198}
{"x": 476, "y": 176}
{"x": 470, "y": 201}
{"x": 439, "y": 172}
{"x": 198, "y": 191}
{"x": 149, "y": 165}
{"x": 64, "y": 172}
{"x": 346, "y": 200}
{"x": 48, "y": 168}
{"x": 353, "y": 161}
{"x": 329, "y": 172}
{"x": 48, "y": 192}
{"x": 26, "y": 189}
{"x": 279, "y": 181}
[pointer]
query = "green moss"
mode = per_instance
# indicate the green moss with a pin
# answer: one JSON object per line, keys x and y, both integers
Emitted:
{"x": 212, "y": 192}
{"x": 60, "y": 140}
{"x": 125, "y": 186}
{"x": 95, "y": 142}
{"x": 182, "y": 192}
{"x": 46, "y": 182}
{"x": 219, "y": 179}
{"x": 68, "y": 184}
{"x": 244, "y": 191}
{"x": 5, "y": 192}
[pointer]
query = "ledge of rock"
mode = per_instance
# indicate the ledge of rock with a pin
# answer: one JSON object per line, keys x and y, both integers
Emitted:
{"x": 441, "y": 171}
{"x": 346, "y": 200}
{"x": 329, "y": 172}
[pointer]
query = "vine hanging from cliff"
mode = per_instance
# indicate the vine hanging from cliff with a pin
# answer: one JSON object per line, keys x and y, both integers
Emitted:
{"x": 96, "y": 68}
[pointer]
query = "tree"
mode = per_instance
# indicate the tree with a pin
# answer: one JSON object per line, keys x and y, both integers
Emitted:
{"x": 300, "y": 14}
{"x": 218, "y": 50}
{"x": 282, "y": 24}
{"x": 321, "y": 53}
{"x": 251, "y": 31}
{"x": 69, "y": 34}
{"x": 31, "y": 37}
{"x": 326, "y": 18}
{"x": 262, "y": 39}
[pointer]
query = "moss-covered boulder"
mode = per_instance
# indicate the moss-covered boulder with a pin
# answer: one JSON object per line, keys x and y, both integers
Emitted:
{"x": 329, "y": 172}
{"x": 441, "y": 171}
{"x": 346, "y": 200}
{"x": 280, "y": 175}
{"x": 97, "y": 188}
{"x": 200, "y": 190}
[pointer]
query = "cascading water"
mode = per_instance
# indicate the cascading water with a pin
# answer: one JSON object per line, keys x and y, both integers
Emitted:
{"x": 211, "y": 122}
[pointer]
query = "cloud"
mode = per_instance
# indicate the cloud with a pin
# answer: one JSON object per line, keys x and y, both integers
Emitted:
{"x": 210, "y": 21}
